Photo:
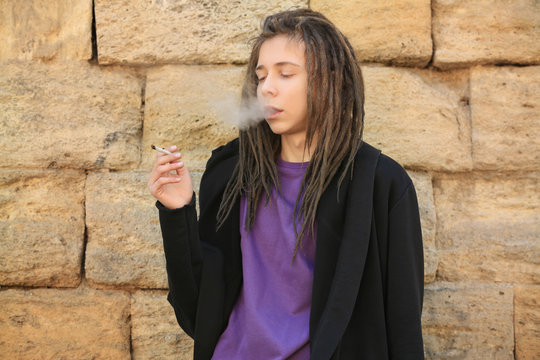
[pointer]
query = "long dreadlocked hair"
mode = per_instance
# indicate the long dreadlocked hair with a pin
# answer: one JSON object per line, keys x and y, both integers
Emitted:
{"x": 335, "y": 115}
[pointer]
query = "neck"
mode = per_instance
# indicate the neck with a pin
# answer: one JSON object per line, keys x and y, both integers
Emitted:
{"x": 293, "y": 148}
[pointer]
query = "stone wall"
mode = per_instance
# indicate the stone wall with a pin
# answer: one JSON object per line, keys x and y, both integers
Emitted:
{"x": 452, "y": 93}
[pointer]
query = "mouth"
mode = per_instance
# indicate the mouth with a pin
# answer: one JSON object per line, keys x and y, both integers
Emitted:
{"x": 271, "y": 112}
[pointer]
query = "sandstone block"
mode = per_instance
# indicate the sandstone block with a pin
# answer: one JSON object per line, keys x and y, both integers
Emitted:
{"x": 424, "y": 191}
{"x": 420, "y": 118}
{"x": 187, "y": 32}
{"x": 41, "y": 227}
{"x": 68, "y": 114}
{"x": 397, "y": 32}
{"x": 511, "y": 263}
{"x": 46, "y": 30}
{"x": 187, "y": 106}
{"x": 472, "y": 32}
{"x": 468, "y": 321}
{"x": 124, "y": 238}
{"x": 487, "y": 227}
{"x": 527, "y": 321}
{"x": 155, "y": 333}
{"x": 506, "y": 118}
{"x": 431, "y": 263}
{"x": 64, "y": 324}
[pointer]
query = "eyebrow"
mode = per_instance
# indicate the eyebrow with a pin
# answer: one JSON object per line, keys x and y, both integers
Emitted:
{"x": 281, "y": 63}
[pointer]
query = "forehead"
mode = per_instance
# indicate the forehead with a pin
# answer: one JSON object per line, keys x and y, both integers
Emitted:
{"x": 281, "y": 49}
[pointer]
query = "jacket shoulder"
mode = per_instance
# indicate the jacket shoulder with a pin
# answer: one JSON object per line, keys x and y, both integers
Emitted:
{"x": 223, "y": 152}
{"x": 391, "y": 181}
{"x": 390, "y": 178}
{"x": 389, "y": 170}
{"x": 219, "y": 169}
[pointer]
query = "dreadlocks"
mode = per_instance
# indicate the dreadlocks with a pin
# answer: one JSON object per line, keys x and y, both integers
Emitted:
{"x": 334, "y": 120}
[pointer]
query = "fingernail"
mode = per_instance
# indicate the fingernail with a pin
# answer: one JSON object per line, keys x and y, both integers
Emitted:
{"x": 177, "y": 155}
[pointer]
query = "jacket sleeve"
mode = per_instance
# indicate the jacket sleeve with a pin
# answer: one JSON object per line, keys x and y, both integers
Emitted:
{"x": 405, "y": 278}
{"x": 183, "y": 258}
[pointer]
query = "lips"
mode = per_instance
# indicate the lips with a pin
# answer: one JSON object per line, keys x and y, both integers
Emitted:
{"x": 271, "y": 112}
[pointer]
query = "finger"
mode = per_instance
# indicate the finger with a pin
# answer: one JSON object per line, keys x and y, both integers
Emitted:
{"x": 159, "y": 151}
{"x": 164, "y": 159}
{"x": 174, "y": 169}
{"x": 155, "y": 185}
{"x": 160, "y": 155}
{"x": 166, "y": 180}
{"x": 179, "y": 170}
{"x": 166, "y": 168}
{"x": 170, "y": 149}
{"x": 161, "y": 170}
{"x": 152, "y": 178}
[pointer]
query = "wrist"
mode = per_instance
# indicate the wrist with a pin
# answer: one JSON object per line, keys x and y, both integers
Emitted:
{"x": 176, "y": 204}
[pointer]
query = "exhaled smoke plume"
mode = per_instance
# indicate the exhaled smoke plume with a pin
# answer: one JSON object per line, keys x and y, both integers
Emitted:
{"x": 242, "y": 116}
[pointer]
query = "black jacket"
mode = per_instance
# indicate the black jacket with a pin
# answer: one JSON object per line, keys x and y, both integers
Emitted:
{"x": 368, "y": 276}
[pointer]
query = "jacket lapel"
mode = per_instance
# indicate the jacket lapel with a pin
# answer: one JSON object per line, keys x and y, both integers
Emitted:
{"x": 343, "y": 232}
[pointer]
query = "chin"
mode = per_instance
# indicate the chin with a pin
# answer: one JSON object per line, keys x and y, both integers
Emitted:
{"x": 276, "y": 128}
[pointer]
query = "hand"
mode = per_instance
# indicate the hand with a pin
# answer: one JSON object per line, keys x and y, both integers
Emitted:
{"x": 169, "y": 181}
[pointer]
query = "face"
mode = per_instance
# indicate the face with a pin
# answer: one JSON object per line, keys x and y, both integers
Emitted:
{"x": 282, "y": 85}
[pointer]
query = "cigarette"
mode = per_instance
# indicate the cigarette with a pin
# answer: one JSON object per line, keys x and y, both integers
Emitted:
{"x": 162, "y": 150}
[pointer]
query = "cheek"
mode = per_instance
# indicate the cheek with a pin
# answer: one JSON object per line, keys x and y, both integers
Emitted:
{"x": 302, "y": 96}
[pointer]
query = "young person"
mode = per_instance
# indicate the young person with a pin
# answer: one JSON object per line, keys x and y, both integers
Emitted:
{"x": 308, "y": 244}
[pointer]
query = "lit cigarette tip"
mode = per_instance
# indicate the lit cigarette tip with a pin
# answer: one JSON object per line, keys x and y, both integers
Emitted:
{"x": 157, "y": 148}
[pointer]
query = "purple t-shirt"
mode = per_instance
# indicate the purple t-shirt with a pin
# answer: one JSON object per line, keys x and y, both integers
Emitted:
{"x": 271, "y": 317}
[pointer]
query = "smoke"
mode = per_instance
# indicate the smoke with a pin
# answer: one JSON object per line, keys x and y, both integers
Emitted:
{"x": 243, "y": 116}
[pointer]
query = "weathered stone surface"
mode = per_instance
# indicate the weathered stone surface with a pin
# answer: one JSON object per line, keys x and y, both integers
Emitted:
{"x": 388, "y": 31}
{"x": 155, "y": 333}
{"x": 468, "y": 321}
{"x": 124, "y": 238}
{"x": 420, "y": 118}
{"x": 472, "y": 32}
{"x": 64, "y": 324}
{"x": 431, "y": 262}
{"x": 487, "y": 227}
{"x": 505, "y": 107}
{"x": 511, "y": 263}
{"x": 187, "y": 32}
{"x": 185, "y": 106}
{"x": 41, "y": 227}
{"x": 424, "y": 191}
{"x": 46, "y": 30}
{"x": 68, "y": 114}
{"x": 527, "y": 321}
{"x": 124, "y": 244}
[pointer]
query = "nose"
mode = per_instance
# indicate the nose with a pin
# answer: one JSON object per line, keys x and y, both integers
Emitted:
{"x": 268, "y": 87}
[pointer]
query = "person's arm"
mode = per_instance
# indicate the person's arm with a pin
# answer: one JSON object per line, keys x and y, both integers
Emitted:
{"x": 183, "y": 257}
{"x": 405, "y": 278}
{"x": 190, "y": 283}
{"x": 170, "y": 183}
